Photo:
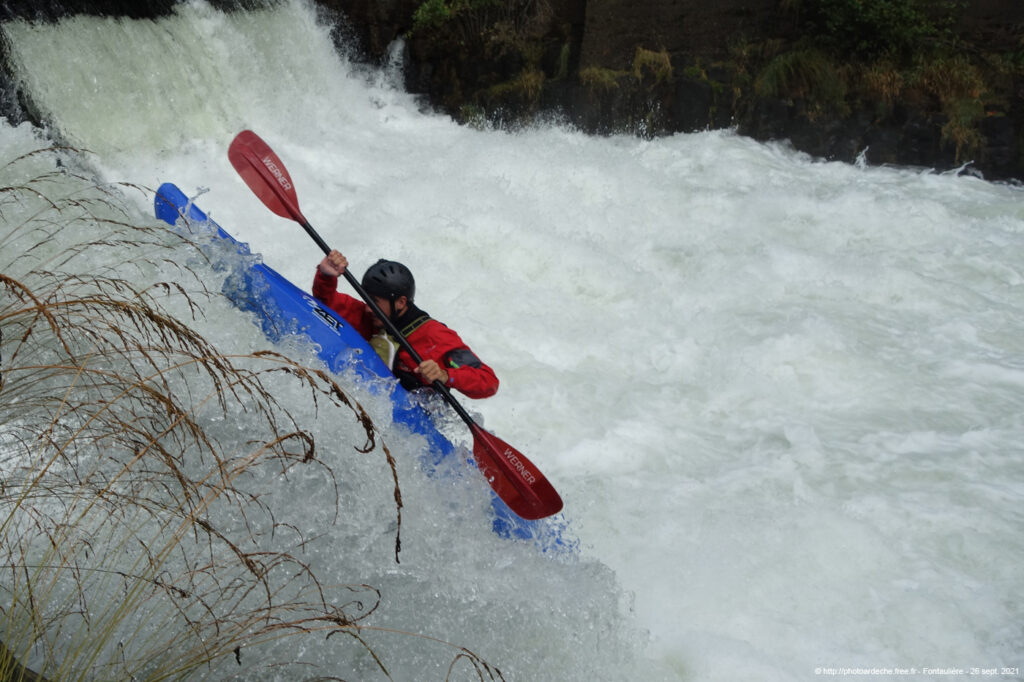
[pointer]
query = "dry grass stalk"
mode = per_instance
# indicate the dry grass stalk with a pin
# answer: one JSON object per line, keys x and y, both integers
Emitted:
{"x": 111, "y": 565}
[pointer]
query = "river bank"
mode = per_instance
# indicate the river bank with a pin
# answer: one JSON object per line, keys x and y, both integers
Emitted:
{"x": 901, "y": 82}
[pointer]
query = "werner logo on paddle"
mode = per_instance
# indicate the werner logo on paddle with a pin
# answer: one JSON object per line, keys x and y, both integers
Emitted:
{"x": 278, "y": 174}
{"x": 510, "y": 455}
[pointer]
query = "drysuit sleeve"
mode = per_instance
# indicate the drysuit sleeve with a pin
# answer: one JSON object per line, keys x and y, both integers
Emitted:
{"x": 466, "y": 372}
{"x": 353, "y": 310}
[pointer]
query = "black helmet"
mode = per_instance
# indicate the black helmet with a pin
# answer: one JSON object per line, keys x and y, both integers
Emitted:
{"x": 389, "y": 280}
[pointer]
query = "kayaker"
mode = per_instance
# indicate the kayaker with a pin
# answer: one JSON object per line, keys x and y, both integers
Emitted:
{"x": 445, "y": 357}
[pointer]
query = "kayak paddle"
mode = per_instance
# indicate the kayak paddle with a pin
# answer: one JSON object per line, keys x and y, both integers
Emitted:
{"x": 513, "y": 477}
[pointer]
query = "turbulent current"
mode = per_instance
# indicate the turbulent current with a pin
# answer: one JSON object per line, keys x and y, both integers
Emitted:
{"x": 782, "y": 399}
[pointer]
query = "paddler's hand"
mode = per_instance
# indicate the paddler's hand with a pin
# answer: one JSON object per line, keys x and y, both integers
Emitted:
{"x": 333, "y": 264}
{"x": 431, "y": 371}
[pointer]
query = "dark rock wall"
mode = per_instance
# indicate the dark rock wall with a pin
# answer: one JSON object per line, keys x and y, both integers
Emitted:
{"x": 685, "y": 28}
{"x": 717, "y": 52}
{"x": 377, "y": 23}
{"x": 664, "y": 66}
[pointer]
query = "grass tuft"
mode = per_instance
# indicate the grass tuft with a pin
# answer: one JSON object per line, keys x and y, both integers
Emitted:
{"x": 136, "y": 537}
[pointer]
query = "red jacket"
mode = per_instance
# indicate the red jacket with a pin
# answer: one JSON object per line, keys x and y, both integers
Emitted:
{"x": 431, "y": 339}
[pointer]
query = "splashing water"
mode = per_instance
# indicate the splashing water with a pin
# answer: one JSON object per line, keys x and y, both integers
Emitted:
{"x": 781, "y": 398}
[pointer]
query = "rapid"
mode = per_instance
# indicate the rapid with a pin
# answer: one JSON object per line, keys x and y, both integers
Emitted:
{"x": 782, "y": 399}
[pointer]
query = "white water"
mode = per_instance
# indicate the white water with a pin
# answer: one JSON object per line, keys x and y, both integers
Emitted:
{"x": 782, "y": 399}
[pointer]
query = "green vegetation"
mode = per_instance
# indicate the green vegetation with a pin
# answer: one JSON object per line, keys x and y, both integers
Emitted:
{"x": 563, "y": 62}
{"x": 809, "y": 75}
{"x": 435, "y": 14}
{"x": 866, "y": 30}
{"x": 504, "y": 40}
{"x": 600, "y": 80}
{"x": 525, "y": 88}
{"x": 887, "y": 55}
{"x": 477, "y": 22}
{"x": 952, "y": 85}
{"x": 649, "y": 67}
{"x": 431, "y": 14}
{"x": 960, "y": 88}
{"x": 657, "y": 64}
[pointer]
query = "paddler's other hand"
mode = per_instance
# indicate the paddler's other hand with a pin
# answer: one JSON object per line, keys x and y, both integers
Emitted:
{"x": 333, "y": 264}
{"x": 431, "y": 371}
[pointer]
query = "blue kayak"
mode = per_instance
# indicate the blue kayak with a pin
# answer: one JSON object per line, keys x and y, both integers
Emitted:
{"x": 284, "y": 309}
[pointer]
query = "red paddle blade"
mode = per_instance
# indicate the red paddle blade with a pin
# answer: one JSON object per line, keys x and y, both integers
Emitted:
{"x": 265, "y": 174}
{"x": 513, "y": 477}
